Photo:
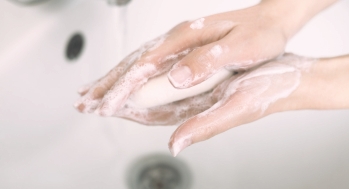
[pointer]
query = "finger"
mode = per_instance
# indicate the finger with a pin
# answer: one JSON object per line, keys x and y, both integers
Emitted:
{"x": 178, "y": 111}
{"x": 85, "y": 88}
{"x": 181, "y": 138}
{"x": 169, "y": 114}
{"x": 219, "y": 118}
{"x": 236, "y": 51}
{"x": 237, "y": 97}
{"x": 245, "y": 99}
{"x": 157, "y": 57}
{"x": 92, "y": 93}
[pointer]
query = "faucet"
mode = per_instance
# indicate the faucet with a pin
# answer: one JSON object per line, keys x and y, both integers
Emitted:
{"x": 111, "y": 2}
{"x": 27, "y": 2}
{"x": 118, "y": 2}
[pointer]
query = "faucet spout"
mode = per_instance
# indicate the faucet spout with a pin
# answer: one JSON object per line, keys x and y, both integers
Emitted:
{"x": 119, "y": 2}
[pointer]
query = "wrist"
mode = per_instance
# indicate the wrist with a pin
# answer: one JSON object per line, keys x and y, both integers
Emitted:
{"x": 291, "y": 15}
{"x": 323, "y": 86}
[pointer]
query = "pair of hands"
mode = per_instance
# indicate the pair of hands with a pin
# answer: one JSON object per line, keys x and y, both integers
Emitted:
{"x": 249, "y": 41}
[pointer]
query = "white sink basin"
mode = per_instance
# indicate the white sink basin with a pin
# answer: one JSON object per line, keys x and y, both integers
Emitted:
{"x": 45, "y": 143}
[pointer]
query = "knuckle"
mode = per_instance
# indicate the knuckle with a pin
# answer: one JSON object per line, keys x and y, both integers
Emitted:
{"x": 184, "y": 25}
{"x": 206, "y": 57}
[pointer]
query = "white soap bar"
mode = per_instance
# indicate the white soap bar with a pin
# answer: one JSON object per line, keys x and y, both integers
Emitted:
{"x": 159, "y": 91}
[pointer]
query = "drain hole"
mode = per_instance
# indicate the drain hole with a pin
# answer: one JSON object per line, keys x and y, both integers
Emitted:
{"x": 75, "y": 46}
{"x": 160, "y": 176}
{"x": 159, "y": 172}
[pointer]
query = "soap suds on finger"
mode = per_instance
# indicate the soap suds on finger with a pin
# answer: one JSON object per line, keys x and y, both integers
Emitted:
{"x": 246, "y": 97}
{"x": 266, "y": 84}
{"x": 177, "y": 56}
{"x": 216, "y": 51}
{"x": 197, "y": 24}
{"x": 89, "y": 101}
{"x": 168, "y": 114}
{"x": 245, "y": 65}
{"x": 136, "y": 76}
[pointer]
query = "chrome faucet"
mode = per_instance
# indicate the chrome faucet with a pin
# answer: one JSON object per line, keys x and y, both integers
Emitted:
{"x": 27, "y": 2}
{"x": 111, "y": 2}
{"x": 119, "y": 2}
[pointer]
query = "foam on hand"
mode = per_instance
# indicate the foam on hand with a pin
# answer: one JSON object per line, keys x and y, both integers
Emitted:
{"x": 159, "y": 91}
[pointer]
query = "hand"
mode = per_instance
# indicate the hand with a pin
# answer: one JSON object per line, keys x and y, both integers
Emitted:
{"x": 194, "y": 50}
{"x": 287, "y": 83}
{"x": 243, "y": 98}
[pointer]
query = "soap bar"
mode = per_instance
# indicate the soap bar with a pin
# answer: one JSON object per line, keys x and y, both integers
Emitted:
{"x": 159, "y": 91}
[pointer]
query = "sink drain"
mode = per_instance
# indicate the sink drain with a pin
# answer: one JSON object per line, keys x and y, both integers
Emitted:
{"x": 75, "y": 46}
{"x": 159, "y": 172}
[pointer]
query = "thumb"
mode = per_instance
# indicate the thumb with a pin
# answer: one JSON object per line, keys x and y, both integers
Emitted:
{"x": 233, "y": 109}
{"x": 202, "y": 127}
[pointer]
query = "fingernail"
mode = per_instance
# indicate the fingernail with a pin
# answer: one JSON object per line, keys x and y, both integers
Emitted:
{"x": 80, "y": 107}
{"x": 179, "y": 145}
{"x": 180, "y": 76}
{"x": 82, "y": 90}
{"x": 77, "y": 104}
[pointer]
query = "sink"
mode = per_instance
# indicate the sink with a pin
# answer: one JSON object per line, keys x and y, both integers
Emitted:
{"x": 45, "y": 143}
